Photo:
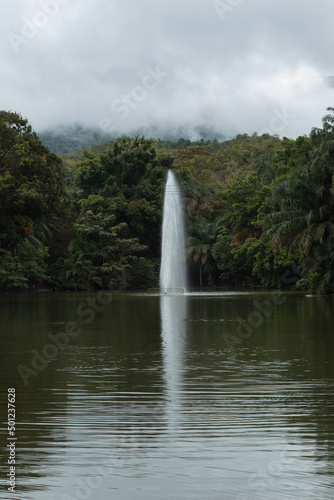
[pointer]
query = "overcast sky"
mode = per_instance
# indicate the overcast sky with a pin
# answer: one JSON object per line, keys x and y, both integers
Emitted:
{"x": 233, "y": 66}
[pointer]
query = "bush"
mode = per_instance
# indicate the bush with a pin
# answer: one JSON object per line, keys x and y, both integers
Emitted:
{"x": 26, "y": 267}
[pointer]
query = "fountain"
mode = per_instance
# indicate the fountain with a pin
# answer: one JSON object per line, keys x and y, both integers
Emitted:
{"x": 173, "y": 257}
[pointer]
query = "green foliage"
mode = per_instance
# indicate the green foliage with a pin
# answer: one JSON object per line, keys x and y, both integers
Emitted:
{"x": 244, "y": 203}
{"x": 99, "y": 256}
{"x": 31, "y": 199}
{"x": 144, "y": 274}
{"x": 266, "y": 266}
{"x": 305, "y": 218}
{"x": 204, "y": 160}
{"x": 231, "y": 271}
{"x": 239, "y": 157}
{"x": 131, "y": 176}
{"x": 202, "y": 235}
{"x": 256, "y": 208}
{"x": 291, "y": 155}
{"x": 118, "y": 201}
{"x": 201, "y": 200}
{"x": 26, "y": 266}
{"x": 31, "y": 178}
{"x": 242, "y": 256}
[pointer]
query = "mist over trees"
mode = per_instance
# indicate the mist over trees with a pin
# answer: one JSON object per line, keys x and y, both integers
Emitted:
{"x": 259, "y": 209}
{"x": 71, "y": 138}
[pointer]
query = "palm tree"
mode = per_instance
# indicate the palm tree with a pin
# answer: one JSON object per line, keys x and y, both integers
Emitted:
{"x": 200, "y": 242}
{"x": 265, "y": 170}
{"x": 306, "y": 210}
{"x": 201, "y": 199}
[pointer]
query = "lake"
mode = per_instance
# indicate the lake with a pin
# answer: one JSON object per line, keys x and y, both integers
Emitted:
{"x": 225, "y": 395}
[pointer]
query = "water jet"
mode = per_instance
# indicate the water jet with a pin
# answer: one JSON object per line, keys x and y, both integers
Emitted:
{"x": 173, "y": 254}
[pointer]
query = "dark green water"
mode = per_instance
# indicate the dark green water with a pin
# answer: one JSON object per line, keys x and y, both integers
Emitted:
{"x": 169, "y": 398}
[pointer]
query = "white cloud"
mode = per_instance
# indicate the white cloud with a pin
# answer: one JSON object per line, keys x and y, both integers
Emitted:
{"x": 72, "y": 59}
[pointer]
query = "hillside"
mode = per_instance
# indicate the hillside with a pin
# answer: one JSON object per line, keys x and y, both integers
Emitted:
{"x": 208, "y": 160}
{"x": 69, "y": 139}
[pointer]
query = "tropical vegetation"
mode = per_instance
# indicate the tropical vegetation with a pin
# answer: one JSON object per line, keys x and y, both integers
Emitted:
{"x": 259, "y": 210}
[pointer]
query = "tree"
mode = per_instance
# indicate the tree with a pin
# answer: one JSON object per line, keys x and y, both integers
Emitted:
{"x": 242, "y": 255}
{"x": 265, "y": 170}
{"x": 99, "y": 256}
{"x": 133, "y": 174}
{"x": 243, "y": 204}
{"x": 267, "y": 266}
{"x": 200, "y": 199}
{"x": 202, "y": 235}
{"x": 306, "y": 210}
{"x": 27, "y": 265}
{"x": 31, "y": 195}
{"x": 31, "y": 178}
{"x": 197, "y": 162}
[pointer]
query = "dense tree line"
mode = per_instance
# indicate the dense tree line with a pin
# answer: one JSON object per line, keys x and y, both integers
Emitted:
{"x": 259, "y": 210}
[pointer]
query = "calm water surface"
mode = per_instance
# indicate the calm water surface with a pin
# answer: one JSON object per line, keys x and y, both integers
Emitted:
{"x": 199, "y": 397}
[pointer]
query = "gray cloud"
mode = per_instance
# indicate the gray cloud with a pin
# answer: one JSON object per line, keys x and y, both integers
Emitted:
{"x": 230, "y": 65}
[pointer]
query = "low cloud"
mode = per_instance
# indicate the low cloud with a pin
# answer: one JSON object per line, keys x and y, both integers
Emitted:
{"x": 229, "y": 67}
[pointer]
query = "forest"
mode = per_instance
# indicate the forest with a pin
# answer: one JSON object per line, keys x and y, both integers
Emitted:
{"x": 259, "y": 211}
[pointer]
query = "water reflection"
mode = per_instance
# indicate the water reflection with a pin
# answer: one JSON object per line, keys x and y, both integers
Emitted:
{"x": 173, "y": 330}
{"x": 150, "y": 395}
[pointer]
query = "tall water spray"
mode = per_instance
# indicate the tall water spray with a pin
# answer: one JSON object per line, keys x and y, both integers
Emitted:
{"x": 173, "y": 255}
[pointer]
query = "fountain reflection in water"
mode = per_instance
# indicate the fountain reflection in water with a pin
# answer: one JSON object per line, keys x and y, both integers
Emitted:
{"x": 173, "y": 258}
{"x": 174, "y": 313}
